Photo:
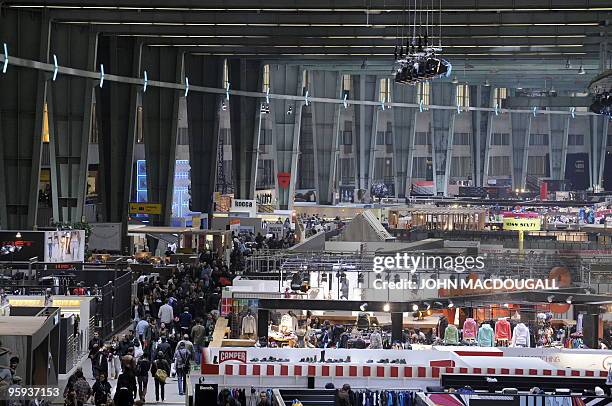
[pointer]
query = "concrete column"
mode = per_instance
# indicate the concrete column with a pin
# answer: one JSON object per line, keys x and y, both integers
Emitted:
{"x": 325, "y": 128}
{"x": 558, "y": 135}
{"x": 286, "y": 79}
{"x": 521, "y": 130}
{"x": 70, "y": 106}
{"x": 365, "y": 87}
{"x": 21, "y": 116}
{"x": 245, "y": 74}
{"x": 203, "y": 123}
{"x": 160, "y": 123}
{"x": 442, "y": 130}
{"x": 116, "y": 106}
{"x": 482, "y": 124}
{"x": 404, "y": 127}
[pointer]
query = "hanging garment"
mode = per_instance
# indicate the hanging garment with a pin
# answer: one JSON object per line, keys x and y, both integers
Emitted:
{"x": 376, "y": 341}
{"x": 502, "y": 330}
{"x": 249, "y": 325}
{"x": 451, "y": 335}
{"x": 442, "y": 323}
{"x": 521, "y": 336}
{"x": 286, "y": 324}
{"x": 469, "y": 329}
{"x": 485, "y": 335}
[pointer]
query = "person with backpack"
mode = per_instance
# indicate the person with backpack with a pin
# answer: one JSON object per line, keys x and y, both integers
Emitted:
{"x": 142, "y": 375}
{"x": 126, "y": 389}
{"x": 101, "y": 390}
{"x": 160, "y": 370}
{"x": 182, "y": 362}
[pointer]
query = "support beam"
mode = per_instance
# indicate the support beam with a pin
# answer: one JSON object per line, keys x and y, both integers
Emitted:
{"x": 116, "y": 110}
{"x": 246, "y": 75}
{"x": 558, "y": 136}
{"x": 404, "y": 127}
{"x": 481, "y": 130}
{"x": 366, "y": 87}
{"x": 286, "y": 79}
{"x": 21, "y": 118}
{"x": 160, "y": 122}
{"x": 70, "y": 106}
{"x": 203, "y": 123}
{"x": 325, "y": 128}
{"x": 521, "y": 131}
{"x": 442, "y": 126}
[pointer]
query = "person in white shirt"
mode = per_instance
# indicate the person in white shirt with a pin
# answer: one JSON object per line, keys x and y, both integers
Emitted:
{"x": 166, "y": 314}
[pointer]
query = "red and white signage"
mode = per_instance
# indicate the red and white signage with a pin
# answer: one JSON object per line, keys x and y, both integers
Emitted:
{"x": 225, "y": 356}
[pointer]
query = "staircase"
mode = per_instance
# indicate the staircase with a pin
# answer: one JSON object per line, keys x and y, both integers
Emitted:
{"x": 309, "y": 397}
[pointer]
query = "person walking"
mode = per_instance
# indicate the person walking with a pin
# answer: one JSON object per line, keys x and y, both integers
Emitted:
{"x": 182, "y": 359}
{"x": 198, "y": 334}
{"x": 101, "y": 390}
{"x": 160, "y": 370}
{"x": 142, "y": 375}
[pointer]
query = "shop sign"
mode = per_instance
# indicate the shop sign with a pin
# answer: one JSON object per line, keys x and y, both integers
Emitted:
{"x": 27, "y": 302}
{"x": 225, "y": 356}
{"x": 522, "y": 224}
{"x": 284, "y": 178}
{"x": 244, "y": 206}
{"x": 66, "y": 303}
{"x": 145, "y": 208}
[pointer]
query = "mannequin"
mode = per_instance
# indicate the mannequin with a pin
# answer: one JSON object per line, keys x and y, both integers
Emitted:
{"x": 502, "y": 332}
{"x": 485, "y": 335}
{"x": 451, "y": 335}
{"x": 249, "y": 325}
{"x": 469, "y": 329}
{"x": 376, "y": 340}
{"x": 521, "y": 336}
{"x": 442, "y": 324}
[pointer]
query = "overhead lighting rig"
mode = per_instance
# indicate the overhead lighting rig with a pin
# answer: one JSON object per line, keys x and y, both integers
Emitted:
{"x": 602, "y": 103}
{"x": 419, "y": 59}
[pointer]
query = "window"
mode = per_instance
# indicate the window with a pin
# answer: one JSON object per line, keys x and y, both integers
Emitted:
{"x": 226, "y": 136}
{"x": 266, "y": 78}
{"x": 389, "y": 137}
{"x": 424, "y": 93}
{"x": 422, "y": 138}
{"x": 463, "y": 95}
{"x": 500, "y": 166}
{"x": 347, "y": 171}
{"x": 461, "y": 167}
{"x": 305, "y": 78}
{"x": 500, "y": 139}
{"x": 227, "y": 170}
{"x": 499, "y": 95}
{"x": 306, "y": 171}
{"x": 380, "y": 138}
{"x": 346, "y": 85}
{"x": 575, "y": 139}
{"x": 461, "y": 138}
{"x": 536, "y": 165}
{"x": 225, "y": 74}
{"x": 538, "y": 139}
{"x": 264, "y": 173}
{"x": 347, "y": 138}
{"x": 385, "y": 91}
{"x": 419, "y": 167}
{"x": 383, "y": 169}
{"x": 265, "y": 137}
{"x": 183, "y": 136}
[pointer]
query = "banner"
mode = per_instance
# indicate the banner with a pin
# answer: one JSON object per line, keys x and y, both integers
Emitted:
{"x": 30, "y": 244}
{"x": 244, "y": 206}
{"x": 522, "y": 224}
{"x": 145, "y": 208}
{"x": 65, "y": 246}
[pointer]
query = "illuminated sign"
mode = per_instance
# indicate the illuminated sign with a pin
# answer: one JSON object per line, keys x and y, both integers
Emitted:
{"x": 522, "y": 224}
{"x": 66, "y": 302}
{"x": 145, "y": 208}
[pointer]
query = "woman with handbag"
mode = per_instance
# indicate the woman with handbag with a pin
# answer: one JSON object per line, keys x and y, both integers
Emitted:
{"x": 160, "y": 370}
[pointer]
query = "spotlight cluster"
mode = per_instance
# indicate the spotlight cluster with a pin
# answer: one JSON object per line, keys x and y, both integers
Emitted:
{"x": 602, "y": 104}
{"x": 420, "y": 66}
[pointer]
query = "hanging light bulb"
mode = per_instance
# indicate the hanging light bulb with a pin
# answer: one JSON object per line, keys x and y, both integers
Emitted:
{"x": 18, "y": 235}
{"x": 386, "y": 307}
{"x": 581, "y": 71}
{"x": 455, "y": 80}
{"x": 487, "y": 83}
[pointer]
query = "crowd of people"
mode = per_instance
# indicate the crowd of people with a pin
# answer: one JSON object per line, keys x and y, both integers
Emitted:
{"x": 172, "y": 322}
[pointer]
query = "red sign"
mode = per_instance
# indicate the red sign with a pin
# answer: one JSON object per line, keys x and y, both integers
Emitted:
{"x": 284, "y": 178}
{"x": 225, "y": 356}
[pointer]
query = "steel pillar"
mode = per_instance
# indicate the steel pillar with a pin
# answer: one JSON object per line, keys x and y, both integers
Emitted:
{"x": 481, "y": 129}
{"x": 598, "y": 127}
{"x": 325, "y": 128}
{"x": 160, "y": 123}
{"x": 365, "y": 87}
{"x": 23, "y": 94}
{"x": 245, "y": 74}
{"x": 286, "y": 79}
{"x": 116, "y": 105}
{"x": 558, "y": 126}
{"x": 521, "y": 131}
{"x": 442, "y": 126}
{"x": 404, "y": 127}
{"x": 70, "y": 106}
{"x": 203, "y": 123}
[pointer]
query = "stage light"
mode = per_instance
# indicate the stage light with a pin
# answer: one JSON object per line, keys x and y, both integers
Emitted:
{"x": 450, "y": 304}
{"x": 18, "y": 235}
{"x": 428, "y": 305}
{"x": 363, "y": 307}
{"x": 455, "y": 80}
{"x": 486, "y": 83}
{"x": 386, "y": 307}
{"x": 415, "y": 307}
{"x": 290, "y": 111}
{"x": 569, "y": 300}
{"x": 506, "y": 305}
{"x": 550, "y": 298}
{"x": 581, "y": 71}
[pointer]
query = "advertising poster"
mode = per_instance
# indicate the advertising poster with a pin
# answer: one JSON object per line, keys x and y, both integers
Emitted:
{"x": 29, "y": 245}
{"x": 64, "y": 246}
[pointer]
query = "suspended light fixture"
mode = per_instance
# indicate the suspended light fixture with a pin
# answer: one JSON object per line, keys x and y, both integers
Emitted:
{"x": 487, "y": 83}
{"x": 455, "y": 80}
{"x": 581, "y": 71}
{"x": 18, "y": 235}
{"x": 386, "y": 307}
{"x": 450, "y": 304}
{"x": 568, "y": 65}
{"x": 415, "y": 307}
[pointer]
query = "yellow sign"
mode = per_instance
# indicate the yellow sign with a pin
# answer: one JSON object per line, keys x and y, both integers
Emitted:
{"x": 522, "y": 224}
{"x": 145, "y": 208}
{"x": 27, "y": 302}
{"x": 66, "y": 302}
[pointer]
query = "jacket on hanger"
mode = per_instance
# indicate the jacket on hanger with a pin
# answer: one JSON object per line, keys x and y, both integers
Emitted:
{"x": 502, "y": 330}
{"x": 485, "y": 335}
{"x": 249, "y": 325}
{"x": 451, "y": 335}
{"x": 521, "y": 336}
{"x": 469, "y": 329}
